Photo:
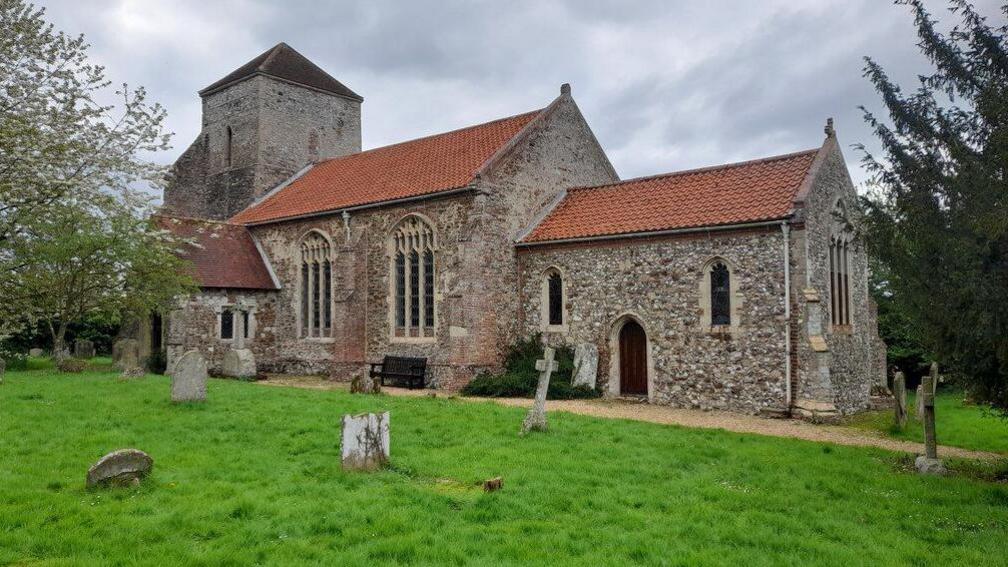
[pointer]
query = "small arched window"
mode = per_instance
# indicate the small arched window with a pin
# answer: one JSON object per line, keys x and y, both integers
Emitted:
{"x": 316, "y": 286}
{"x": 555, "y": 298}
{"x": 720, "y": 294}
{"x": 414, "y": 306}
{"x": 229, "y": 144}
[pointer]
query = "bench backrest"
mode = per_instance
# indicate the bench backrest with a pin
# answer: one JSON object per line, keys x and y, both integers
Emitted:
{"x": 414, "y": 366}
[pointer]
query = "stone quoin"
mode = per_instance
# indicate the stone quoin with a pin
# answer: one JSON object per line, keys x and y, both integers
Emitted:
{"x": 741, "y": 287}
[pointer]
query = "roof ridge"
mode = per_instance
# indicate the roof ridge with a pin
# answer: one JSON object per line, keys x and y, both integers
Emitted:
{"x": 185, "y": 218}
{"x": 429, "y": 136}
{"x": 730, "y": 165}
{"x": 271, "y": 54}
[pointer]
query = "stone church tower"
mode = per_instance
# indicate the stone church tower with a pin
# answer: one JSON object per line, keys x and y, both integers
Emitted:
{"x": 262, "y": 123}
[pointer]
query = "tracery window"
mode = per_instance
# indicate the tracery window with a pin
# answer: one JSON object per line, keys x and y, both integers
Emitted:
{"x": 316, "y": 287}
{"x": 720, "y": 294}
{"x": 840, "y": 280}
{"x": 413, "y": 268}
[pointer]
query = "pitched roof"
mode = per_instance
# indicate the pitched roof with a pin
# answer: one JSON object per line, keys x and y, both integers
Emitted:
{"x": 284, "y": 62}
{"x": 409, "y": 169}
{"x": 751, "y": 191}
{"x": 225, "y": 256}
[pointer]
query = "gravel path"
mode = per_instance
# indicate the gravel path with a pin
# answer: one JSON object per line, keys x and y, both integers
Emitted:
{"x": 618, "y": 409}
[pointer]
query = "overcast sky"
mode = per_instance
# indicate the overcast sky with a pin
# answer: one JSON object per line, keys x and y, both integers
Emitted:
{"x": 665, "y": 85}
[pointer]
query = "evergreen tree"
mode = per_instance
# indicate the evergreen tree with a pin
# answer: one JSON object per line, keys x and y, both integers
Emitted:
{"x": 938, "y": 219}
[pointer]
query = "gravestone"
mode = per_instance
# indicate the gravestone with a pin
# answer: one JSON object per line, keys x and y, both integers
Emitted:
{"x": 36, "y": 352}
{"x": 83, "y": 348}
{"x": 928, "y": 463}
{"x": 585, "y": 365}
{"x": 189, "y": 378}
{"x": 363, "y": 384}
{"x": 899, "y": 394}
{"x": 536, "y": 418}
{"x": 239, "y": 363}
{"x": 125, "y": 467}
{"x": 126, "y": 354}
{"x": 920, "y": 403}
{"x": 364, "y": 444}
{"x": 3, "y": 368}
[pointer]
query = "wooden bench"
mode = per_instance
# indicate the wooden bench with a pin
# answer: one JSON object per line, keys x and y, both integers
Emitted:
{"x": 401, "y": 371}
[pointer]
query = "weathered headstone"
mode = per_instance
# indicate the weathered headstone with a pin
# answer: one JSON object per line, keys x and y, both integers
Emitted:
{"x": 364, "y": 442}
{"x": 126, "y": 354}
{"x": 920, "y": 402}
{"x": 125, "y": 467}
{"x": 36, "y": 352}
{"x": 239, "y": 363}
{"x": 189, "y": 378}
{"x": 362, "y": 384}
{"x": 899, "y": 394}
{"x": 585, "y": 365}
{"x": 83, "y": 348}
{"x": 493, "y": 485}
{"x": 928, "y": 463}
{"x": 536, "y": 418}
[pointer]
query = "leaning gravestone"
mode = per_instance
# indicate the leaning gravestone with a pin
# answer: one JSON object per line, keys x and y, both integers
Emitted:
{"x": 125, "y": 467}
{"x": 585, "y": 365}
{"x": 36, "y": 352}
{"x": 84, "y": 349}
{"x": 899, "y": 394}
{"x": 189, "y": 378}
{"x": 536, "y": 418}
{"x": 364, "y": 444}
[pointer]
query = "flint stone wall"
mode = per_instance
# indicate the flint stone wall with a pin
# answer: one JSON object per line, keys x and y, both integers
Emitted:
{"x": 658, "y": 281}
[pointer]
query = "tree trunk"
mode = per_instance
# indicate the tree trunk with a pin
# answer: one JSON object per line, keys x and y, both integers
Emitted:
{"x": 59, "y": 335}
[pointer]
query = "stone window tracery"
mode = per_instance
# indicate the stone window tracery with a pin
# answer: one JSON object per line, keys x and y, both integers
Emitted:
{"x": 414, "y": 304}
{"x": 316, "y": 287}
{"x": 840, "y": 244}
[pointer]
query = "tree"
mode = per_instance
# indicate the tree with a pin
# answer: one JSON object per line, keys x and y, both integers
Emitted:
{"x": 96, "y": 259}
{"x": 938, "y": 220}
{"x": 59, "y": 144}
{"x": 75, "y": 239}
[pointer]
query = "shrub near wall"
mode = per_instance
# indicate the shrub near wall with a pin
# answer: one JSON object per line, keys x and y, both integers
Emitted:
{"x": 520, "y": 377}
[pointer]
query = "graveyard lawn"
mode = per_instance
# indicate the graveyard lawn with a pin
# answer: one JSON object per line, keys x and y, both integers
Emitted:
{"x": 956, "y": 424}
{"x": 253, "y": 476}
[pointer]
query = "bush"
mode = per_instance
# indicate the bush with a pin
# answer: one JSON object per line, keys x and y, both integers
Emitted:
{"x": 15, "y": 361}
{"x": 73, "y": 365}
{"x": 157, "y": 362}
{"x": 520, "y": 377}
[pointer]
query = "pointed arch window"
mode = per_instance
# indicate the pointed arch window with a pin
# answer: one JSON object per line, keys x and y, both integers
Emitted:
{"x": 316, "y": 287}
{"x": 414, "y": 266}
{"x": 720, "y": 294}
{"x": 839, "y": 252}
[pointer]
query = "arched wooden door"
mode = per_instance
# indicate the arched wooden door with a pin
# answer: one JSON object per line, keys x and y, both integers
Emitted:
{"x": 633, "y": 360}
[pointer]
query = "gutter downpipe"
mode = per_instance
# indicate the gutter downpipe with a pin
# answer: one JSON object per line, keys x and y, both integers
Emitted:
{"x": 786, "y": 231}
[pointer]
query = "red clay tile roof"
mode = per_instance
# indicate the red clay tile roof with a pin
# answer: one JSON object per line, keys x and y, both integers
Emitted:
{"x": 408, "y": 169}
{"x": 723, "y": 195}
{"x": 226, "y": 255}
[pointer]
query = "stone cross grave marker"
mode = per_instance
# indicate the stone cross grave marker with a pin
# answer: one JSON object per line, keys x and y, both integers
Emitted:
{"x": 928, "y": 463}
{"x": 536, "y": 418}
{"x": 364, "y": 444}
{"x": 899, "y": 394}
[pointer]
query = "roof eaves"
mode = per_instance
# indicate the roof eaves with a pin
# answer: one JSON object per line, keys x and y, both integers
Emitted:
{"x": 653, "y": 233}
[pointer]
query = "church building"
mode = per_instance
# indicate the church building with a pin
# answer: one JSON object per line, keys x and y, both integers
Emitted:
{"x": 741, "y": 286}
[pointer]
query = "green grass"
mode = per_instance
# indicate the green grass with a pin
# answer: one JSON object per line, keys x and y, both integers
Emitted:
{"x": 253, "y": 476}
{"x": 956, "y": 424}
